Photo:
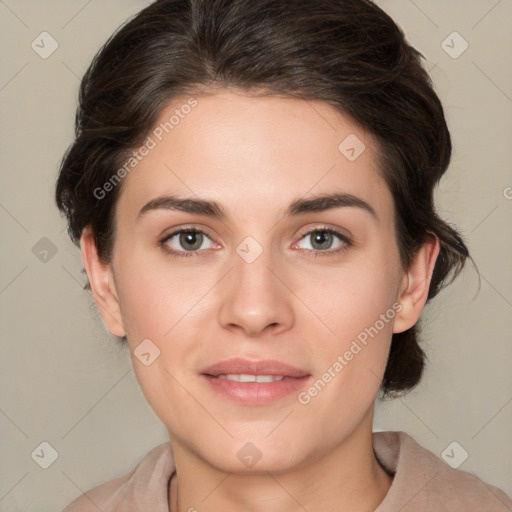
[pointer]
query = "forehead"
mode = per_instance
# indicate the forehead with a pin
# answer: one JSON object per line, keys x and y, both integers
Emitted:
{"x": 253, "y": 154}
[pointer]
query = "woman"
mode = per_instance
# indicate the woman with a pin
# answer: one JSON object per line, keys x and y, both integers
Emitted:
{"x": 251, "y": 186}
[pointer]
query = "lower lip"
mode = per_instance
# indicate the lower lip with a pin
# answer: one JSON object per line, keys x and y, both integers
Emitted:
{"x": 256, "y": 393}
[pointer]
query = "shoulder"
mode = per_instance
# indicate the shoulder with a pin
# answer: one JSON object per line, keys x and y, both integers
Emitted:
{"x": 423, "y": 481}
{"x": 145, "y": 483}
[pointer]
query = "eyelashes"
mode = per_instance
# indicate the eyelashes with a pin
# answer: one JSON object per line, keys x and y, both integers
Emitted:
{"x": 191, "y": 235}
{"x": 182, "y": 254}
{"x": 345, "y": 242}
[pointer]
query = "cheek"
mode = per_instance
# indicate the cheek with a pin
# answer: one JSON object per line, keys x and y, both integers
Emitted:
{"x": 351, "y": 298}
{"x": 162, "y": 304}
{"x": 357, "y": 306}
{"x": 154, "y": 296}
{"x": 155, "y": 309}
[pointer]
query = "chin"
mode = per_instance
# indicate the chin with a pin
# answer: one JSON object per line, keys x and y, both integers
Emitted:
{"x": 258, "y": 456}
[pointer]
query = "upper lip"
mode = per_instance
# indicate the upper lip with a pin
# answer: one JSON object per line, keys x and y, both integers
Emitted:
{"x": 260, "y": 367}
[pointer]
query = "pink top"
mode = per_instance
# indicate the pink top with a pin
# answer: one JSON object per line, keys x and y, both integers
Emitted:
{"x": 422, "y": 482}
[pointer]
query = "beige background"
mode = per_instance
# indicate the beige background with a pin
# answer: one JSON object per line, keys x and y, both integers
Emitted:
{"x": 66, "y": 382}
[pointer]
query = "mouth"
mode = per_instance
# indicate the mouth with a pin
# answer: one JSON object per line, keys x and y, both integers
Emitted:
{"x": 254, "y": 382}
{"x": 245, "y": 377}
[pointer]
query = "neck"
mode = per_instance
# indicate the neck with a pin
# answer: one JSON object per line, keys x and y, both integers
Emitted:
{"x": 349, "y": 477}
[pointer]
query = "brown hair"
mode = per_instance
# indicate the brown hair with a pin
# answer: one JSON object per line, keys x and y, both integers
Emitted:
{"x": 348, "y": 53}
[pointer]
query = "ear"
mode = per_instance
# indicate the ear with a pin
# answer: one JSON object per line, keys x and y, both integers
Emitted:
{"x": 102, "y": 283}
{"x": 415, "y": 285}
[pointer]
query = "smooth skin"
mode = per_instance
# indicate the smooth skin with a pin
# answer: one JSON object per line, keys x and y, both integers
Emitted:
{"x": 255, "y": 156}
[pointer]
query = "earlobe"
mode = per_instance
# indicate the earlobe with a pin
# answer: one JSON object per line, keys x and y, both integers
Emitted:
{"x": 102, "y": 284}
{"x": 415, "y": 285}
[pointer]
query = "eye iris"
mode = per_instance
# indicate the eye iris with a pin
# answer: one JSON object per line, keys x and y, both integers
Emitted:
{"x": 189, "y": 237}
{"x": 321, "y": 239}
{"x": 324, "y": 238}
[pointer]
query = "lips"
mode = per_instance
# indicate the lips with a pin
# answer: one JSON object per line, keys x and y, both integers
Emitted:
{"x": 263, "y": 367}
{"x": 254, "y": 382}
{"x": 245, "y": 377}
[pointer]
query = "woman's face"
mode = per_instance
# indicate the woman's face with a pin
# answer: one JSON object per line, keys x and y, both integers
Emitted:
{"x": 311, "y": 315}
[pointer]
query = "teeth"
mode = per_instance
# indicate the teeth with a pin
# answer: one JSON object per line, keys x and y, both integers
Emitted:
{"x": 244, "y": 377}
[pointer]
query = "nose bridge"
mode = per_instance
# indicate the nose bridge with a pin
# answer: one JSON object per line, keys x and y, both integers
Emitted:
{"x": 254, "y": 297}
{"x": 253, "y": 263}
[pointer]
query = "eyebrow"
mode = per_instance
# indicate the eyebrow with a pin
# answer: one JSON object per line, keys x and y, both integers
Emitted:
{"x": 299, "y": 207}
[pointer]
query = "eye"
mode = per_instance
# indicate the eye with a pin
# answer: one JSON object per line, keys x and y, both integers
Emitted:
{"x": 190, "y": 239}
{"x": 188, "y": 242}
{"x": 323, "y": 239}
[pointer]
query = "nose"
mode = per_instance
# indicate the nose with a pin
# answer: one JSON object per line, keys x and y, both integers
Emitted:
{"x": 255, "y": 297}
